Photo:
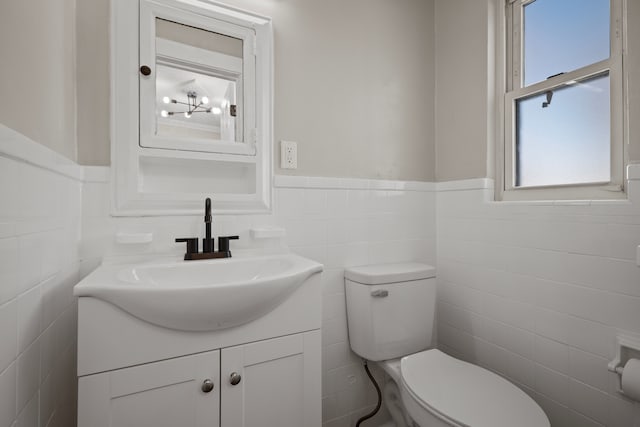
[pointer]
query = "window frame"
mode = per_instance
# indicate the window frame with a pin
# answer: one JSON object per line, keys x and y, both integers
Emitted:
{"x": 514, "y": 90}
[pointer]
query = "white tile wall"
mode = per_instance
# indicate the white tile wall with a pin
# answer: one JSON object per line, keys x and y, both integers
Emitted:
{"x": 534, "y": 291}
{"x": 343, "y": 228}
{"x": 340, "y": 223}
{"x": 39, "y": 240}
{"x": 537, "y": 292}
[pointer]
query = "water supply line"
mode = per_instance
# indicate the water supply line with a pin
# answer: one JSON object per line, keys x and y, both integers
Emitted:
{"x": 375, "y": 384}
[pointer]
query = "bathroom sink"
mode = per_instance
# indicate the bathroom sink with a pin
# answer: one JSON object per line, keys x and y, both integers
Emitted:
{"x": 200, "y": 295}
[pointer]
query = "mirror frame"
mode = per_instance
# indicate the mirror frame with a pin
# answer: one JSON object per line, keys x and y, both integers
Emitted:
{"x": 205, "y": 20}
{"x": 127, "y": 154}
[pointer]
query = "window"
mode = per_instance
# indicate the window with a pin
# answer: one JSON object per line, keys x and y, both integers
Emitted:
{"x": 564, "y": 99}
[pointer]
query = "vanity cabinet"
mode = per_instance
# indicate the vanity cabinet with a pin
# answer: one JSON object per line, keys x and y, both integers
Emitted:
{"x": 167, "y": 393}
{"x": 272, "y": 382}
{"x": 279, "y": 383}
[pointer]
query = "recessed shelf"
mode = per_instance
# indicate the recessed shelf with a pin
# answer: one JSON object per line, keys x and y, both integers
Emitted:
{"x": 194, "y": 155}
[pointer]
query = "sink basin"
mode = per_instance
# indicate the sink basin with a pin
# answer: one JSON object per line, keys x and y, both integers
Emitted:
{"x": 200, "y": 295}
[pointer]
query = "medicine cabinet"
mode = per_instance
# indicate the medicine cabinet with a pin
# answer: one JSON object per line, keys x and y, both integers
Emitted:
{"x": 191, "y": 107}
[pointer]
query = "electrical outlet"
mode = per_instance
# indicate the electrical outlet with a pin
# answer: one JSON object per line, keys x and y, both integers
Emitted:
{"x": 288, "y": 155}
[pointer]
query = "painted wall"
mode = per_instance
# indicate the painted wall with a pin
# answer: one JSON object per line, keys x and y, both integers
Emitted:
{"x": 354, "y": 85}
{"x": 462, "y": 88}
{"x": 39, "y": 246}
{"x": 465, "y": 76}
{"x": 633, "y": 79}
{"x": 37, "y": 76}
{"x": 92, "y": 67}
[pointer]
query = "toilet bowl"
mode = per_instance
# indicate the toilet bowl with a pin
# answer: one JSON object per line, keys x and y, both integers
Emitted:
{"x": 390, "y": 314}
{"x": 436, "y": 386}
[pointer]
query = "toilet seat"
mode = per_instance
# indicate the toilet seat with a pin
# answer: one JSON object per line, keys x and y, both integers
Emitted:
{"x": 466, "y": 395}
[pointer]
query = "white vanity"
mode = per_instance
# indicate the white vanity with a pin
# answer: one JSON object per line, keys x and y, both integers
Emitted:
{"x": 150, "y": 353}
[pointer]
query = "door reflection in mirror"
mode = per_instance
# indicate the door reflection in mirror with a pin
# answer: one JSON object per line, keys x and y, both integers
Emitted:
{"x": 198, "y": 83}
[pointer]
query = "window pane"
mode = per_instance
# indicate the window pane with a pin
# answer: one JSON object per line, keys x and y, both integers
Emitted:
{"x": 563, "y": 35}
{"x": 568, "y": 141}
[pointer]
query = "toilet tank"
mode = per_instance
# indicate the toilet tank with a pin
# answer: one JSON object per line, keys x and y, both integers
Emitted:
{"x": 390, "y": 309}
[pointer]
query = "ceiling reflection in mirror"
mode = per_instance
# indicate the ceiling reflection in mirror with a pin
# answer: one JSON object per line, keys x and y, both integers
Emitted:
{"x": 198, "y": 83}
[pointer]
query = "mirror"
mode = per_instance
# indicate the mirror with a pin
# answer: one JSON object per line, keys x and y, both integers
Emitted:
{"x": 198, "y": 83}
{"x": 199, "y": 93}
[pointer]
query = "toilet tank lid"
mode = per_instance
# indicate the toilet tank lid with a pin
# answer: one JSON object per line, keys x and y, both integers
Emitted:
{"x": 380, "y": 274}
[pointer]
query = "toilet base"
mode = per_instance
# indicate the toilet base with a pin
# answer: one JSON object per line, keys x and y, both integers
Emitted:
{"x": 397, "y": 403}
{"x": 394, "y": 404}
{"x": 420, "y": 416}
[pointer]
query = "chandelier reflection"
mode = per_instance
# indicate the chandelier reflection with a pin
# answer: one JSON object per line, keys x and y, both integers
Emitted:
{"x": 193, "y": 105}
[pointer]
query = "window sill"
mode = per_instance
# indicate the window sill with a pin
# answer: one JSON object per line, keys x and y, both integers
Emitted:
{"x": 576, "y": 195}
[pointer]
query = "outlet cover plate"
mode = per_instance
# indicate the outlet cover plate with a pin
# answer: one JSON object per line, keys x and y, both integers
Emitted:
{"x": 288, "y": 155}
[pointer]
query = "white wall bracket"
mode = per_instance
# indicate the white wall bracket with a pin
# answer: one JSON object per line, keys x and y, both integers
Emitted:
{"x": 133, "y": 238}
{"x": 268, "y": 232}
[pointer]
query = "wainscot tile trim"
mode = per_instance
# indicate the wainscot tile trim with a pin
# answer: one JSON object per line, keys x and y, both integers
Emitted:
{"x": 16, "y": 146}
{"x": 287, "y": 181}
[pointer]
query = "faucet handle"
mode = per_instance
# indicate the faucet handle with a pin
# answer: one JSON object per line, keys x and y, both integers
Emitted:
{"x": 192, "y": 244}
{"x": 223, "y": 242}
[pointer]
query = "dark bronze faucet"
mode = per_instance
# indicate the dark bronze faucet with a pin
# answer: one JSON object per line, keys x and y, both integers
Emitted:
{"x": 207, "y": 242}
{"x": 208, "y": 251}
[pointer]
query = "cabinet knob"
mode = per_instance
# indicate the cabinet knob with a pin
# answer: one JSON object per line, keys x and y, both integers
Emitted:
{"x": 207, "y": 385}
{"x": 145, "y": 70}
{"x": 235, "y": 378}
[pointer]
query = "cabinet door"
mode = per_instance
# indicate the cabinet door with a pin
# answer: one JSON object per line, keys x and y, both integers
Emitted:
{"x": 280, "y": 383}
{"x": 169, "y": 393}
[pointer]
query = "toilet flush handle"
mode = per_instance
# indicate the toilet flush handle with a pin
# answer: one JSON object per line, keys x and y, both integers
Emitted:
{"x": 380, "y": 293}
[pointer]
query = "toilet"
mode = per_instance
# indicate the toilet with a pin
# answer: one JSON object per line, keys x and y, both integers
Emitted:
{"x": 390, "y": 312}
